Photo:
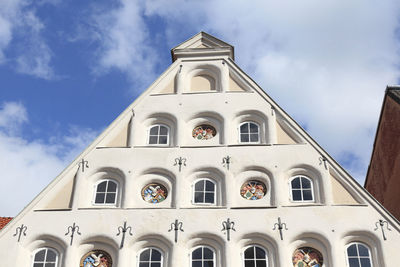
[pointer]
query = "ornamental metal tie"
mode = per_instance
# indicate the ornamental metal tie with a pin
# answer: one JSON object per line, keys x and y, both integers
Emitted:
{"x": 123, "y": 230}
{"x": 83, "y": 163}
{"x": 226, "y": 161}
{"x": 20, "y": 230}
{"x": 280, "y": 226}
{"x": 228, "y": 226}
{"x": 73, "y": 228}
{"x": 180, "y": 161}
{"x": 382, "y": 224}
{"x": 176, "y": 226}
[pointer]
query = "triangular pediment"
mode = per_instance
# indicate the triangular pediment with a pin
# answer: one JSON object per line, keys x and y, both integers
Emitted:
{"x": 201, "y": 44}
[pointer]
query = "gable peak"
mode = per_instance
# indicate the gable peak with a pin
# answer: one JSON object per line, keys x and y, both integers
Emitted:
{"x": 200, "y": 45}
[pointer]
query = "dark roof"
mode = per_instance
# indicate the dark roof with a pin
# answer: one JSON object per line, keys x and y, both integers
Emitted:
{"x": 4, "y": 221}
{"x": 394, "y": 92}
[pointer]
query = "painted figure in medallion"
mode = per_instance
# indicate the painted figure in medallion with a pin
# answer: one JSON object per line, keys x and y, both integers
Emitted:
{"x": 96, "y": 258}
{"x": 253, "y": 190}
{"x": 204, "y": 132}
{"x": 307, "y": 257}
{"x": 154, "y": 193}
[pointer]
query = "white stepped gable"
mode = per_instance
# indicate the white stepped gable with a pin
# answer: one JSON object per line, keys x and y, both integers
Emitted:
{"x": 203, "y": 149}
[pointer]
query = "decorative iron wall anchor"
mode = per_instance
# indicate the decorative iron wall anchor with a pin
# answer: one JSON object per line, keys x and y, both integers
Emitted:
{"x": 323, "y": 160}
{"x": 20, "y": 230}
{"x": 176, "y": 226}
{"x": 83, "y": 163}
{"x": 280, "y": 226}
{"x": 123, "y": 230}
{"x": 72, "y": 229}
{"x": 381, "y": 223}
{"x": 272, "y": 111}
{"x": 180, "y": 161}
{"x": 226, "y": 161}
{"x": 180, "y": 68}
{"x": 228, "y": 226}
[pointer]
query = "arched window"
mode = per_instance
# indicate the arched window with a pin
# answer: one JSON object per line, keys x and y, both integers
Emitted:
{"x": 358, "y": 255}
{"x": 150, "y": 257}
{"x": 249, "y": 132}
{"x": 45, "y": 257}
{"x": 203, "y": 257}
{"x": 301, "y": 188}
{"x": 204, "y": 192}
{"x": 159, "y": 135}
{"x": 255, "y": 256}
{"x": 106, "y": 192}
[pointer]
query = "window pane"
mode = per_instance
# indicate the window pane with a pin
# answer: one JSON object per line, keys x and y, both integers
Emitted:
{"x": 249, "y": 263}
{"x": 154, "y": 130}
{"x": 110, "y": 199}
{"x": 199, "y": 197}
{"x": 196, "y": 264}
{"x": 305, "y": 183}
{"x": 100, "y": 198}
{"x": 244, "y": 138}
{"x": 163, "y": 130}
{"x": 296, "y": 195}
{"x": 261, "y": 263}
{"x": 112, "y": 187}
{"x": 38, "y": 265}
{"x": 39, "y": 256}
{"x": 145, "y": 255}
{"x": 144, "y": 264}
{"x": 153, "y": 140}
{"x": 353, "y": 262}
{"x": 210, "y": 186}
{"x": 197, "y": 254}
{"x": 51, "y": 256}
{"x": 156, "y": 265}
{"x": 50, "y": 265}
{"x": 244, "y": 128}
{"x": 253, "y": 137}
{"x": 209, "y": 198}
{"x": 208, "y": 254}
{"x": 208, "y": 263}
{"x": 307, "y": 195}
{"x": 163, "y": 139}
{"x": 365, "y": 263}
{"x": 155, "y": 255}
{"x": 199, "y": 186}
{"x": 362, "y": 250}
{"x": 296, "y": 183}
{"x": 352, "y": 250}
{"x": 101, "y": 187}
{"x": 249, "y": 253}
{"x": 253, "y": 128}
{"x": 260, "y": 254}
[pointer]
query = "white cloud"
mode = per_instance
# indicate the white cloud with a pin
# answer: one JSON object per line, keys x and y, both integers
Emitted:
{"x": 326, "y": 62}
{"x": 18, "y": 19}
{"x": 27, "y": 166}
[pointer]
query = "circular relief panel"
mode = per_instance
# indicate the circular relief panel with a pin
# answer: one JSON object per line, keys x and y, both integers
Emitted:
{"x": 307, "y": 257}
{"x": 96, "y": 258}
{"x": 154, "y": 193}
{"x": 253, "y": 190}
{"x": 204, "y": 132}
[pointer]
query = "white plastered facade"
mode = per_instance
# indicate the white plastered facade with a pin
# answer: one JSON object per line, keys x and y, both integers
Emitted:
{"x": 202, "y": 86}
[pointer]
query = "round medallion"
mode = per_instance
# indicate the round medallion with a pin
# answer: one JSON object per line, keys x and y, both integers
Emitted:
{"x": 154, "y": 193}
{"x": 253, "y": 190}
{"x": 204, "y": 132}
{"x": 307, "y": 257}
{"x": 98, "y": 258}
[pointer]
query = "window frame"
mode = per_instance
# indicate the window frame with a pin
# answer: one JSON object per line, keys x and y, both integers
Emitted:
{"x": 215, "y": 192}
{"x": 202, "y": 259}
{"x": 240, "y": 132}
{"x": 158, "y": 135}
{"x": 255, "y": 246}
{"x": 116, "y": 202}
{"x": 151, "y": 248}
{"x": 45, "y": 248}
{"x": 358, "y": 256}
{"x": 313, "y": 200}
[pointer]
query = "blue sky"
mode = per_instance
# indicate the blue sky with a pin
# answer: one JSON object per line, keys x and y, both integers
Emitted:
{"x": 68, "y": 68}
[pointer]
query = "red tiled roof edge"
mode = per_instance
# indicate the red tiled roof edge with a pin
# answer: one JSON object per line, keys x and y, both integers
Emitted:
{"x": 4, "y": 221}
